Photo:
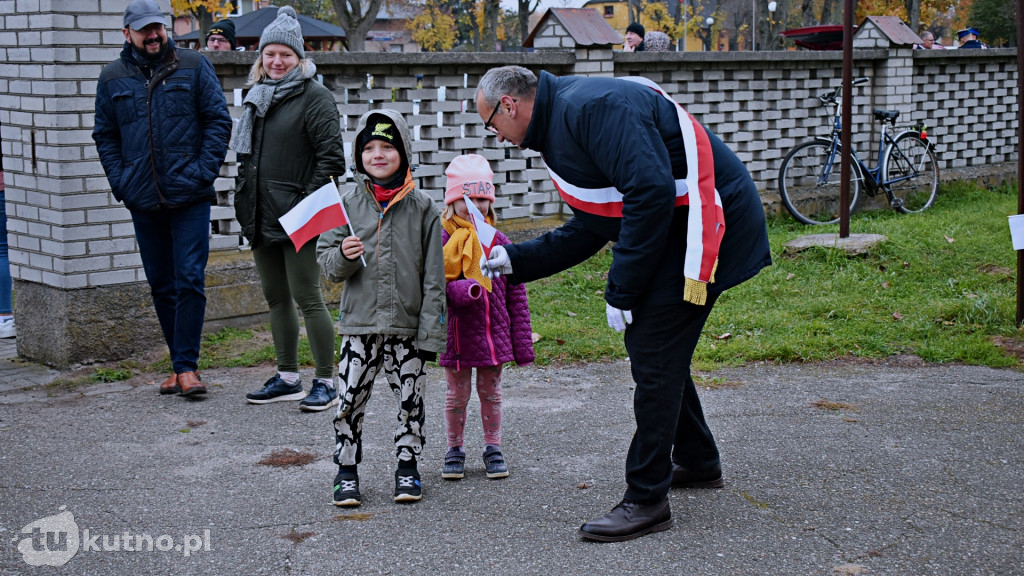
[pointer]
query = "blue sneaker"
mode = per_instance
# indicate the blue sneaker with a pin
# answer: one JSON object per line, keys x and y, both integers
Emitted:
{"x": 321, "y": 397}
{"x": 276, "y": 390}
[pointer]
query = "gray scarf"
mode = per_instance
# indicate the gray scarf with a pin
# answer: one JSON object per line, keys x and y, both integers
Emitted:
{"x": 261, "y": 98}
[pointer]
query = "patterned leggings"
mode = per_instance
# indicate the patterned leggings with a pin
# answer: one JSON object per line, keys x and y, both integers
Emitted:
{"x": 488, "y": 388}
{"x": 361, "y": 359}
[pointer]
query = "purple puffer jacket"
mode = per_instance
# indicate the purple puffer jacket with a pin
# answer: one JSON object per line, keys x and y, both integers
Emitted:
{"x": 487, "y": 329}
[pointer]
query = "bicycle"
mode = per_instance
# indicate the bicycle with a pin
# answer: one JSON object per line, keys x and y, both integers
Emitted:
{"x": 906, "y": 170}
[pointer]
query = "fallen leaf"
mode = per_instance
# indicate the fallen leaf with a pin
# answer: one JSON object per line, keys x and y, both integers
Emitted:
{"x": 790, "y": 276}
{"x": 885, "y": 285}
{"x": 948, "y": 239}
{"x": 906, "y": 264}
{"x": 725, "y": 336}
{"x": 535, "y": 337}
{"x": 559, "y": 341}
{"x": 573, "y": 314}
{"x": 897, "y": 316}
{"x": 583, "y": 486}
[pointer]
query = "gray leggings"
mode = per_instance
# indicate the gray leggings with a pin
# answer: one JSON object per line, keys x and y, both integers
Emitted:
{"x": 286, "y": 276}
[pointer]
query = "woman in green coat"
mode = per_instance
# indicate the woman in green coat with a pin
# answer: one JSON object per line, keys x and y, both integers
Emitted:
{"x": 289, "y": 144}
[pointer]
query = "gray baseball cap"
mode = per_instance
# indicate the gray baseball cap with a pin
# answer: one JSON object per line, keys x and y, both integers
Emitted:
{"x": 142, "y": 13}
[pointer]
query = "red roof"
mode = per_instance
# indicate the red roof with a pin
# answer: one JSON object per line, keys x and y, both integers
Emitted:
{"x": 826, "y": 37}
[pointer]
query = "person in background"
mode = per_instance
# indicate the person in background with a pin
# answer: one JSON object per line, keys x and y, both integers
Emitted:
{"x": 656, "y": 41}
{"x": 221, "y": 36}
{"x": 634, "y": 39}
{"x": 289, "y": 144}
{"x": 687, "y": 223}
{"x": 7, "y": 329}
{"x": 968, "y": 38}
{"x": 489, "y": 320}
{"x": 392, "y": 313}
{"x": 161, "y": 130}
{"x": 928, "y": 42}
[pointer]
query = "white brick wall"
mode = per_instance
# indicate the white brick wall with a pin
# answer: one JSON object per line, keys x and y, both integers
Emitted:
{"x": 68, "y": 232}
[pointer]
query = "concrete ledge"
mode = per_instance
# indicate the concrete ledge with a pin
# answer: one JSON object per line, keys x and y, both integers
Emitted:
{"x": 853, "y": 244}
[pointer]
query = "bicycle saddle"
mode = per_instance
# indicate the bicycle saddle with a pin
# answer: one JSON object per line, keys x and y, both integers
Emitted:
{"x": 883, "y": 115}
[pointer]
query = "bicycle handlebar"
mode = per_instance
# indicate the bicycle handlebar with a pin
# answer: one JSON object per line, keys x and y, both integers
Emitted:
{"x": 830, "y": 97}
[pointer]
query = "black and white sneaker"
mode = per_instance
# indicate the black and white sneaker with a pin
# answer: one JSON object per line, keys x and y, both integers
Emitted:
{"x": 276, "y": 390}
{"x": 321, "y": 396}
{"x": 407, "y": 485}
{"x": 346, "y": 489}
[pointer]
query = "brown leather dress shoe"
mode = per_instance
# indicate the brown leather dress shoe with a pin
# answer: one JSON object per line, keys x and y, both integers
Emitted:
{"x": 703, "y": 478}
{"x": 191, "y": 384}
{"x": 170, "y": 386}
{"x": 629, "y": 520}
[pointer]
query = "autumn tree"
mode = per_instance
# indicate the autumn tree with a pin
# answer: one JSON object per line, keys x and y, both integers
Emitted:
{"x": 996, "y": 20}
{"x": 661, "y": 20}
{"x": 322, "y": 10}
{"x": 204, "y": 11}
{"x": 433, "y": 29}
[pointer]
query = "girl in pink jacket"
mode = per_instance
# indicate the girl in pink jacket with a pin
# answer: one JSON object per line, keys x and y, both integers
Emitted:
{"x": 488, "y": 320}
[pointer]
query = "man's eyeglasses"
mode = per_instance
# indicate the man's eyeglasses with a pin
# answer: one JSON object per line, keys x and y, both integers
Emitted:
{"x": 487, "y": 125}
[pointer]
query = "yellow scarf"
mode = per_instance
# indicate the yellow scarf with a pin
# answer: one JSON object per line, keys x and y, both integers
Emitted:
{"x": 463, "y": 252}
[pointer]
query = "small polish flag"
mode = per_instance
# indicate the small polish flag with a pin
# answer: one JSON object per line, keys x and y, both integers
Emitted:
{"x": 317, "y": 213}
{"x": 484, "y": 231}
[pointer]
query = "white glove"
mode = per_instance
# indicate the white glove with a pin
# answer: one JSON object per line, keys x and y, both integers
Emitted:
{"x": 497, "y": 264}
{"x": 618, "y": 319}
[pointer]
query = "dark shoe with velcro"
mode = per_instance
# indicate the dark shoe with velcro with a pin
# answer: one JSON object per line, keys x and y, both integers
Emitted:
{"x": 494, "y": 461}
{"x": 710, "y": 477}
{"x": 454, "y": 464}
{"x": 629, "y": 520}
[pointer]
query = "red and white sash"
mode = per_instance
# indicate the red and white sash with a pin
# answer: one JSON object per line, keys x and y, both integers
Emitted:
{"x": 706, "y": 220}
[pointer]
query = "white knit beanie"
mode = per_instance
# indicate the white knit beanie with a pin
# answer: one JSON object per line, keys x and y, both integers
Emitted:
{"x": 285, "y": 29}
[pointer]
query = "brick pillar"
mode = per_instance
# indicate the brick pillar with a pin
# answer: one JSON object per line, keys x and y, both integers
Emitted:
{"x": 79, "y": 286}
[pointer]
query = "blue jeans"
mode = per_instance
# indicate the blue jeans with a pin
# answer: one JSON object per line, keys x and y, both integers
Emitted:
{"x": 175, "y": 245}
{"x": 670, "y": 422}
{"x": 5, "y": 262}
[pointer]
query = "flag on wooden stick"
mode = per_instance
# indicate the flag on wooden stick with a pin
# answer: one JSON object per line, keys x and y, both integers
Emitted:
{"x": 317, "y": 213}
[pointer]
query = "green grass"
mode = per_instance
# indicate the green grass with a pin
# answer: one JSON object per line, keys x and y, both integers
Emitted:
{"x": 942, "y": 288}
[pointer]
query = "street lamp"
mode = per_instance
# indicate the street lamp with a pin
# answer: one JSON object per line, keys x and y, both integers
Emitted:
{"x": 705, "y": 33}
{"x": 771, "y": 22}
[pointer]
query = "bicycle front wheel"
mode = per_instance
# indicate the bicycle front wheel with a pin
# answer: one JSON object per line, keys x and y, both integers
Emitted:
{"x": 810, "y": 182}
{"x": 911, "y": 172}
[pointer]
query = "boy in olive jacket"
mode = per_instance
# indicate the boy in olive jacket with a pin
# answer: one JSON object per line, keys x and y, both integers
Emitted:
{"x": 392, "y": 311}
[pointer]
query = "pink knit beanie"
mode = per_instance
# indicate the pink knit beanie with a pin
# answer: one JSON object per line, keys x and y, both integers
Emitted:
{"x": 469, "y": 175}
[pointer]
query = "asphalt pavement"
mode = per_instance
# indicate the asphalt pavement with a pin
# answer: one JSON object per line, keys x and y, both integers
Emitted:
{"x": 845, "y": 468}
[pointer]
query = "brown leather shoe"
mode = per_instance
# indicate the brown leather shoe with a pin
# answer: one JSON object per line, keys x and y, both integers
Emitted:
{"x": 703, "y": 478}
{"x": 170, "y": 386}
{"x": 191, "y": 384}
{"x": 629, "y": 520}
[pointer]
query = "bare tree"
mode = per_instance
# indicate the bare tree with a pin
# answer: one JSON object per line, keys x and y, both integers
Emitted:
{"x": 525, "y": 10}
{"x": 355, "y": 21}
{"x": 489, "y": 36}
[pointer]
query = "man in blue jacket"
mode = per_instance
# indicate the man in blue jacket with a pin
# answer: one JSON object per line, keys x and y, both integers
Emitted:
{"x": 162, "y": 128}
{"x": 687, "y": 223}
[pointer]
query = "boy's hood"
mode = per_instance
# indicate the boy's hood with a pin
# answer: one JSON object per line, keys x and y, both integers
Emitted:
{"x": 399, "y": 122}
